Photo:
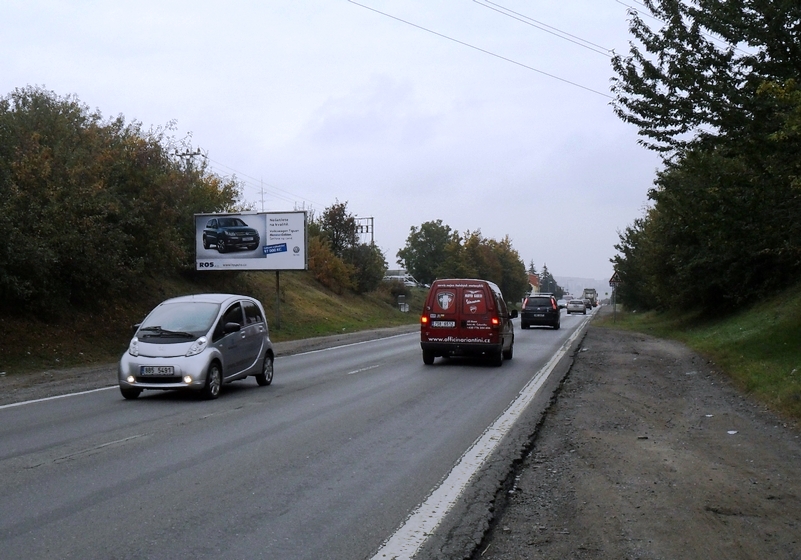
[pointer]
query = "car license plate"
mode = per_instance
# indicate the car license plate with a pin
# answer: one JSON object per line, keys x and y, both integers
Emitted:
{"x": 539, "y": 314}
{"x": 247, "y": 239}
{"x": 443, "y": 324}
{"x": 156, "y": 370}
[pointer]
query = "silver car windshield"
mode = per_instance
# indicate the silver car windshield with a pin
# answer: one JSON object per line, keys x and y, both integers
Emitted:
{"x": 185, "y": 318}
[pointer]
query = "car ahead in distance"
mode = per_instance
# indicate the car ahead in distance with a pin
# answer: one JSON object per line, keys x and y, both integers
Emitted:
{"x": 540, "y": 309}
{"x": 229, "y": 233}
{"x": 587, "y": 303}
{"x": 464, "y": 316}
{"x": 562, "y": 303}
{"x": 198, "y": 343}
{"x": 576, "y": 306}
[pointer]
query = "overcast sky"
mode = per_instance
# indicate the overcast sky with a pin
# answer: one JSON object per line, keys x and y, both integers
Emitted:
{"x": 508, "y": 131}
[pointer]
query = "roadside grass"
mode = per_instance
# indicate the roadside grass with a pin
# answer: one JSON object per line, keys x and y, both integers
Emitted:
{"x": 758, "y": 347}
{"x": 101, "y": 334}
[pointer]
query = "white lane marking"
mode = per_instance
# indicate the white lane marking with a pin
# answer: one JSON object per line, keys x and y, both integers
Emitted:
{"x": 411, "y": 535}
{"x": 350, "y": 344}
{"x": 368, "y": 368}
{"x": 282, "y": 358}
{"x": 58, "y": 397}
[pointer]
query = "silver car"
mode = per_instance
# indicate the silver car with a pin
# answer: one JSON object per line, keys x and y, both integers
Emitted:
{"x": 576, "y": 306}
{"x": 198, "y": 343}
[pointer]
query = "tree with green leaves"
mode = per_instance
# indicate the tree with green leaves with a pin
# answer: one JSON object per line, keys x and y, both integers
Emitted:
{"x": 88, "y": 205}
{"x": 713, "y": 87}
{"x": 696, "y": 75}
{"x": 425, "y": 250}
{"x": 338, "y": 226}
{"x": 470, "y": 255}
{"x": 369, "y": 266}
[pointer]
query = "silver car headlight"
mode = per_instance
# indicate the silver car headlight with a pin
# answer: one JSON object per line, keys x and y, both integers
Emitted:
{"x": 133, "y": 347}
{"x": 198, "y": 346}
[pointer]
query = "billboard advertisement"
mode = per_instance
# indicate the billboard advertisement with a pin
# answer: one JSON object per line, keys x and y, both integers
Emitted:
{"x": 251, "y": 241}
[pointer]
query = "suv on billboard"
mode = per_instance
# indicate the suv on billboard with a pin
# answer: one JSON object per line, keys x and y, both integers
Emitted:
{"x": 229, "y": 233}
{"x": 466, "y": 316}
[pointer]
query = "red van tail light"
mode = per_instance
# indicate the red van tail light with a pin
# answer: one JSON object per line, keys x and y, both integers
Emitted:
{"x": 495, "y": 322}
{"x": 424, "y": 320}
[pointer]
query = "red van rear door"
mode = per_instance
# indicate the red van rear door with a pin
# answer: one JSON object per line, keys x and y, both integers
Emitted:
{"x": 476, "y": 311}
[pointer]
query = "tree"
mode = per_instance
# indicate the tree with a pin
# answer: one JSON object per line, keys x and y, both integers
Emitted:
{"x": 425, "y": 250}
{"x": 715, "y": 89}
{"x": 436, "y": 251}
{"x": 87, "y": 205}
{"x": 338, "y": 226}
{"x": 369, "y": 266}
{"x": 699, "y": 74}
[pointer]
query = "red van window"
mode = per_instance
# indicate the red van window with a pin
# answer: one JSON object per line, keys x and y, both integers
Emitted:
{"x": 475, "y": 302}
{"x": 445, "y": 301}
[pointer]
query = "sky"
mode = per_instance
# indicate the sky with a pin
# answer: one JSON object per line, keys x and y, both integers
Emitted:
{"x": 409, "y": 111}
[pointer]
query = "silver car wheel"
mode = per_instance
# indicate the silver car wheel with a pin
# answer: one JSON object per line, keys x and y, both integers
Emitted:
{"x": 213, "y": 382}
{"x": 267, "y": 368}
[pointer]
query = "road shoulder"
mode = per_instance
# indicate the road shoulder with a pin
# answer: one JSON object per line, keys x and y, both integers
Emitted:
{"x": 648, "y": 452}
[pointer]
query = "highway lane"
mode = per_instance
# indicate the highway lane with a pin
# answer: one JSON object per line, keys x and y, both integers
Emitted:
{"x": 325, "y": 463}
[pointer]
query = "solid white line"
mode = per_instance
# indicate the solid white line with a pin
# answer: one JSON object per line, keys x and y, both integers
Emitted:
{"x": 411, "y": 535}
{"x": 58, "y": 397}
{"x": 349, "y": 344}
{"x": 368, "y": 368}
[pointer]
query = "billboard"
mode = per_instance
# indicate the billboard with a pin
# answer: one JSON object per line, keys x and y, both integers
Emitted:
{"x": 251, "y": 241}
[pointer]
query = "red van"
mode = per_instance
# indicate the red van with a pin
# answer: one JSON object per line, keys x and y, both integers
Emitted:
{"x": 466, "y": 316}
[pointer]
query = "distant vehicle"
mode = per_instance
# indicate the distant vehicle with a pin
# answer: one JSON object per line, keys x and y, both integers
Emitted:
{"x": 576, "y": 306}
{"x": 592, "y": 295}
{"x": 197, "y": 343}
{"x": 562, "y": 303}
{"x": 587, "y": 304}
{"x": 465, "y": 316}
{"x": 230, "y": 233}
{"x": 540, "y": 309}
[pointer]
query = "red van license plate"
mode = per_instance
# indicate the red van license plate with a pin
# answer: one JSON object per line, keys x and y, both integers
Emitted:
{"x": 446, "y": 324}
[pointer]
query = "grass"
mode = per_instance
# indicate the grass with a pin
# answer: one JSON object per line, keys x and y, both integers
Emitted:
{"x": 758, "y": 347}
{"x": 100, "y": 335}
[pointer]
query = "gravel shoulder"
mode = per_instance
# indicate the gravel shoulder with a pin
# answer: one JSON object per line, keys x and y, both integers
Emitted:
{"x": 648, "y": 452}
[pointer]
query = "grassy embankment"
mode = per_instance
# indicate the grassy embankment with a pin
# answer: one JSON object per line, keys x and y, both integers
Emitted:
{"x": 307, "y": 309}
{"x": 758, "y": 347}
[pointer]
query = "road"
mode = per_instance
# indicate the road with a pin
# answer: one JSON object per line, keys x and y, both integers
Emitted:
{"x": 327, "y": 462}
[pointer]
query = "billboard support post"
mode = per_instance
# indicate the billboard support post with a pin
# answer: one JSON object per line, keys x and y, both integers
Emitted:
{"x": 278, "y": 300}
{"x": 244, "y": 241}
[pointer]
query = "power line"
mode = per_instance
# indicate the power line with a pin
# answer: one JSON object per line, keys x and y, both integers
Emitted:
{"x": 527, "y": 67}
{"x": 276, "y": 192}
{"x": 589, "y": 45}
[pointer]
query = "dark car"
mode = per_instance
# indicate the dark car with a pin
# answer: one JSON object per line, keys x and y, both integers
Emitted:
{"x": 230, "y": 233}
{"x": 540, "y": 309}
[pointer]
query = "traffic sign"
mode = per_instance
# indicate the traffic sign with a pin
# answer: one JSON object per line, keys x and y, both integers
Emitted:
{"x": 615, "y": 280}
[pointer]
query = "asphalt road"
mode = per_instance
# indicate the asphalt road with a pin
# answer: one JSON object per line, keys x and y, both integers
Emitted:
{"x": 327, "y": 462}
